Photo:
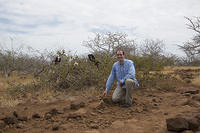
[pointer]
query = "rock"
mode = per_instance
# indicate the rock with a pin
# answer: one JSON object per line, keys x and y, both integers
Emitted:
{"x": 79, "y": 114}
{"x": 153, "y": 100}
{"x": 177, "y": 124}
{"x": 76, "y": 106}
{"x": 22, "y": 118}
{"x": 93, "y": 114}
{"x": 51, "y": 113}
{"x": 47, "y": 116}
{"x": 81, "y": 111}
{"x": 100, "y": 105}
{"x": 10, "y": 120}
{"x": 55, "y": 128}
{"x": 74, "y": 116}
{"x": 35, "y": 116}
{"x": 197, "y": 98}
{"x": 155, "y": 104}
{"x": 15, "y": 114}
{"x": 20, "y": 125}
{"x": 190, "y": 103}
{"x": 107, "y": 100}
{"x": 192, "y": 91}
{"x": 166, "y": 113}
{"x": 193, "y": 124}
{"x": 94, "y": 126}
{"x": 188, "y": 81}
{"x": 54, "y": 111}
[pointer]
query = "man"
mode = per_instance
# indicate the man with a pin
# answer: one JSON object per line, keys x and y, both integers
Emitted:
{"x": 124, "y": 72}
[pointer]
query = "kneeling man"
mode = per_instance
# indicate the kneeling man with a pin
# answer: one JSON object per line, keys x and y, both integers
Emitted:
{"x": 124, "y": 72}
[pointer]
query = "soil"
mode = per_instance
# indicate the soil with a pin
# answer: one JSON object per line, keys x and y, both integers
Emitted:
{"x": 83, "y": 112}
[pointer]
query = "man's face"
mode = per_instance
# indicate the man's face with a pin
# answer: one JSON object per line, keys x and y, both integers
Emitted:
{"x": 120, "y": 56}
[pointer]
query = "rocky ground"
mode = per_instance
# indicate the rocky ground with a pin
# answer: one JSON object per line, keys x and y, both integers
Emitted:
{"x": 153, "y": 111}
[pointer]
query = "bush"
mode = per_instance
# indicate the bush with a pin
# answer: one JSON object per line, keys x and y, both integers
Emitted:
{"x": 77, "y": 73}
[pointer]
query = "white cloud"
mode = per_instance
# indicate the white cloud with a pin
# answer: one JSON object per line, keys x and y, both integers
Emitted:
{"x": 66, "y": 23}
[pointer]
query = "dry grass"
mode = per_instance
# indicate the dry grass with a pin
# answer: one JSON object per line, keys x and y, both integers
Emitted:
{"x": 171, "y": 68}
{"x": 14, "y": 80}
{"x": 8, "y": 102}
{"x": 195, "y": 81}
{"x": 6, "y": 83}
{"x": 45, "y": 94}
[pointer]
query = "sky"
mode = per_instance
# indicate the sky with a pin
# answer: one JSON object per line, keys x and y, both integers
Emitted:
{"x": 65, "y": 24}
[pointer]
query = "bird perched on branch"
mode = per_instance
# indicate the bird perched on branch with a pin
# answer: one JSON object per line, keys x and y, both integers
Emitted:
{"x": 57, "y": 60}
{"x": 92, "y": 59}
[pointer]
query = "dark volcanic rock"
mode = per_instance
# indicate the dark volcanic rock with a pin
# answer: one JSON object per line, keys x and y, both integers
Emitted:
{"x": 192, "y": 91}
{"x": 74, "y": 116}
{"x": 10, "y": 120}
{"x": 20, "y": 125}
{"x": 94, "y": 126}
{"x": 34, "y": 116}
{"x": 107, "y": 100}
{"x": 55, "y": 127}
{"x": 47, "y": 116}
{"x": 54, "y": 111}
{"x": 15, "y": 114}
{"x": 197, "y": 98}
{"x": 22, "y": 118}
{"x": 177, "y": 124}
{"x": 193, "y": 124}
{"x": 181, "y": 123}
{"x": 76, "y": 106}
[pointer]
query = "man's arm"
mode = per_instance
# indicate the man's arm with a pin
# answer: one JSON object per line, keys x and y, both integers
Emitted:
{"x": 130, "y": 74}
{"x": 110, "y": 80}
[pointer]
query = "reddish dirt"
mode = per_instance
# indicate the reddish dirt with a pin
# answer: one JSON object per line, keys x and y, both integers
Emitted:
{"x": 87, "y": 113}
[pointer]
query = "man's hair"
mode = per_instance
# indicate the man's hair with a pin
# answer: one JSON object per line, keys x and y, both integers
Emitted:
{"x": 120, "y": 50}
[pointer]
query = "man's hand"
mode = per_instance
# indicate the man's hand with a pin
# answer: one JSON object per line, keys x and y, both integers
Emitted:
{"x": 104, "y": 93}
{"x": 121, "y": 84}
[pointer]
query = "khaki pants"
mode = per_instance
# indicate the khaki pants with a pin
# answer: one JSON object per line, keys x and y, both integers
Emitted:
{"x": 124, "y": 94}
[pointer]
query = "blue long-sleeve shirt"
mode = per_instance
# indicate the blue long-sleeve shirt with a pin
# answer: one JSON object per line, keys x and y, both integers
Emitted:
{"x": 121, "y": 73}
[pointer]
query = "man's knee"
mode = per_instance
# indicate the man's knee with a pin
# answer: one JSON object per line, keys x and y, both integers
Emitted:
{"x": 115, "y": 99}
{"x": 129, "y": 82}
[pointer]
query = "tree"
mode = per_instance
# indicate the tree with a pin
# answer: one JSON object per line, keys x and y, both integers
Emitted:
{"x": 192, "y": 48}
{"x": 109, "y": 43}
{"x": 22, "y": 60}
{"x": 153, "y": 53}
{"x": 152, "y": 47}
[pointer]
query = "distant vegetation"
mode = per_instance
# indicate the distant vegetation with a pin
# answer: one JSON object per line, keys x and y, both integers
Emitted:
{"x": 77, "y": 72}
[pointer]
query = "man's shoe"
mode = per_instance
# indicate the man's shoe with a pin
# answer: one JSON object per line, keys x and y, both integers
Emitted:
{"x": 126, "y": 105}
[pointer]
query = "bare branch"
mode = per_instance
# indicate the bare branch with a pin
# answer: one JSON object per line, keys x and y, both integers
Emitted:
{"x": 109, "y": 42}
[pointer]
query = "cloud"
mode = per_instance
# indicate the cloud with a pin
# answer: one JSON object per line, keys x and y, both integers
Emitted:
{"x": 65, "y": 23}
{"x": 5, "y": 21}
{"x": 112, "y": 28}
{"x": 13, "y": 31}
